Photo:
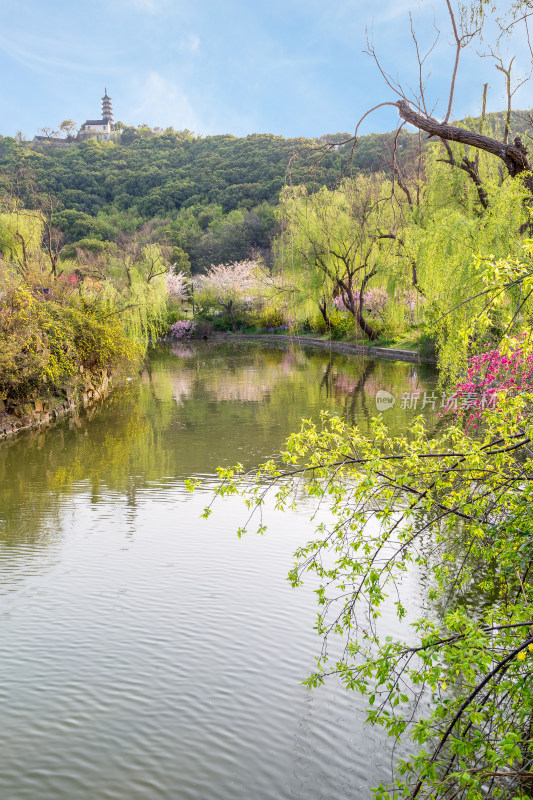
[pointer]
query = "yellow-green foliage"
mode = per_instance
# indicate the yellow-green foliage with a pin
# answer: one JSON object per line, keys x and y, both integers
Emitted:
{"x": 428, "y": 252}
{"x": 317, "y": 323}
{"x": 142, "y": 307}
{"x": 43, "y": 344}
{"x": 271, "y": 317}
{"x": 444, "y": 235}
{"x": 99, "y": 312}
{"x": 21, "y": 234}
{"x": 333, "y": 237}
{"x": 135, "y": 288}
{"x": 448, "y": 237}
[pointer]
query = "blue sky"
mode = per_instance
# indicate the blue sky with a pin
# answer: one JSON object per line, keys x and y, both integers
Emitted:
{"x": 289, "y": 67}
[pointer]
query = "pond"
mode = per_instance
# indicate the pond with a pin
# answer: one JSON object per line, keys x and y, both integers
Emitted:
{"x": 147, "y": 653}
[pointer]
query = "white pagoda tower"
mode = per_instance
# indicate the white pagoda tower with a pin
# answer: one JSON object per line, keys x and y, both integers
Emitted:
{"x": 101, "y": 129}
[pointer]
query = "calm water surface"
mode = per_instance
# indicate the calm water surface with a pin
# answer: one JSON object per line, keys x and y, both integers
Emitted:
{"x": 146, "y": 653}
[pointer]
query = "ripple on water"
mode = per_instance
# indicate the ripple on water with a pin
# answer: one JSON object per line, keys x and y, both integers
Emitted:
{"x": 145, "y": 653}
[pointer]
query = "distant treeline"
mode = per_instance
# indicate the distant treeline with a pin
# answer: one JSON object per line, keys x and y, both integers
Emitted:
{"x": 213, "y": 197}
{"x": 158, "y": 174}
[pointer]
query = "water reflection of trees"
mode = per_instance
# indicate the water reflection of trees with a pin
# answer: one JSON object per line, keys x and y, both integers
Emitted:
{"x": 350, "y": 380}
{"x": 199, "y": 406}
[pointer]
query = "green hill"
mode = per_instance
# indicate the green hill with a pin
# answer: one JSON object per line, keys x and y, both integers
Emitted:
{"x": 160, "y": 174}
{"x": 212, "y": 196}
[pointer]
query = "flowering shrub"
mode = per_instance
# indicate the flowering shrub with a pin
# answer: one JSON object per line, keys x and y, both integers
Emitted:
{"x": 235, "y": 287}
{"x": 490, "y": 378}
{"x": 71, "y": 280}
{"x": 374, "y": 301}
{"x": 228, "y": 284}
{"x": 339, "y": 304}
{"x": 182, "y": 329}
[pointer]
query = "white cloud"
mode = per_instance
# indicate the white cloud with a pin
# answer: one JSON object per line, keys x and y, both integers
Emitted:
{"x": 163, "y": 102}
{"x": 192, "y": 43}
{"x": 149, "y": 6}
{"x": 187, "y": 45}
{"x": 39, "y": 54}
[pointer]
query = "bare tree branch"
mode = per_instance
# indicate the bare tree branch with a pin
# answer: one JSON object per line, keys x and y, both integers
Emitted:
{"x": 514, "y": 156}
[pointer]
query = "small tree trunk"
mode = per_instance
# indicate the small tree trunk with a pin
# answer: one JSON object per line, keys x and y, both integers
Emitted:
{"x": 323, "y": 311}
{"x": 357, "y": 308}
{"x": 53, "y": 264}
{"x": 365, "y": 326}
{"x": 230, "y": 309}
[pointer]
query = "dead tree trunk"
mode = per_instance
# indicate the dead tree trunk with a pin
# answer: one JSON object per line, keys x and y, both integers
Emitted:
{"x": 514, "y": 156}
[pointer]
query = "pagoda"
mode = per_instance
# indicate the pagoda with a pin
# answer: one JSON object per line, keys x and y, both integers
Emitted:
{"x": 99, "y": 128}
{"x": 107, "y": 108}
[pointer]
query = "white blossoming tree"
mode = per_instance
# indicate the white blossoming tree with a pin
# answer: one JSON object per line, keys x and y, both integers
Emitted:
{"x": 177, "y": 285}
{"x": 237, "y": 286}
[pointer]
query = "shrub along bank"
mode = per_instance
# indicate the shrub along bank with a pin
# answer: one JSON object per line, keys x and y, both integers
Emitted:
{"x": 54, "y": 357}
{"x": 65, "y": 332}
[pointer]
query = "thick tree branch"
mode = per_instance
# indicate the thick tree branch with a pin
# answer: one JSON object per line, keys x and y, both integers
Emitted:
{"x": 514, "y": 156}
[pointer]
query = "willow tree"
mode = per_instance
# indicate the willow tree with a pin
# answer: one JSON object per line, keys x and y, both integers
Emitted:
{"x": 129, "y": 282}
{"x": 21, "y": 233}
{"x": 476, "y": 198}
{"x": 448, "y": 238}
{"x": 489, "y": 170}
{"x": 337, "y": 236}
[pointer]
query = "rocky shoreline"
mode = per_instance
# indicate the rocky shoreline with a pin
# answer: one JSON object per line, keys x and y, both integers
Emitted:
{"x": 31, "y": 413}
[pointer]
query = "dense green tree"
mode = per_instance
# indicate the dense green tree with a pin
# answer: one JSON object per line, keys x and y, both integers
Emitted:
{"x": 75, "y": 225}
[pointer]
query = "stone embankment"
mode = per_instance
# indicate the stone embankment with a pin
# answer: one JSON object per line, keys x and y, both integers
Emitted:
{"x": 386, "y": 353}
{"x": 29, "y": 413}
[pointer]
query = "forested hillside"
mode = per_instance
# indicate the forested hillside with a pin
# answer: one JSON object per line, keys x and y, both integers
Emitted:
{"x": 120, "y": 256}
{"x": 213, "y": 197}
{"x": 157, "y": 174}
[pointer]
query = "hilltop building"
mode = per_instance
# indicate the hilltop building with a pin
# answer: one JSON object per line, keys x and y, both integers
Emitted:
{"x": 52, "y": 141}
{"x": 101, "y": 129}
